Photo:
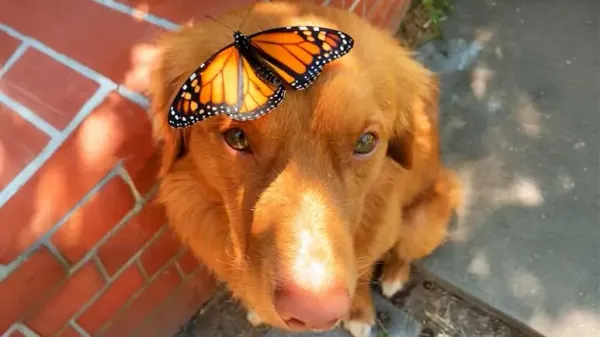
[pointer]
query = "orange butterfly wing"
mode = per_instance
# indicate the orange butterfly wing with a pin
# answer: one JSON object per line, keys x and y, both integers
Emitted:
{"x": 225, "y": 84}
{"x": 298, "y": 54}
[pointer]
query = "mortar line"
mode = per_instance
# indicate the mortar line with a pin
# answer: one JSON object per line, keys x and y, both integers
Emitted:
{"x": 16, "y": 55}
{"x": 141, "y": 269}
{"x": 78, "y": 328}
{"x": 77, "y": 66}
{"x": 129, "y": 181}
{"x": 135, "y": 97}
{"x": 123, "y": 268}
{"x": 45, "y": 239}
{"x": 101, "y": 268}
{"x": 29, "y": 115}
{"x": 353, "y": 6}
{"x": 56, "y": 253}
{"x": 110, "y": 281}
{"x": 34, "y": 165}
{"x": 62, "y": 58}
{"x": 180, "y": 270}
{"x": 24, "y": 329}
{"x": 138, "y": 14}
{"x": 90, "y": 194}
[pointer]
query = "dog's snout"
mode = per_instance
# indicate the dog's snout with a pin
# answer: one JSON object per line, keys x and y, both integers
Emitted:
{"x": 302, "y": 307}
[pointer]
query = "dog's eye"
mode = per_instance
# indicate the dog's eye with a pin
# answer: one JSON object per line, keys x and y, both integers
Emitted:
{"x": 236, "y": 139}
{"x": 366, "y": 143}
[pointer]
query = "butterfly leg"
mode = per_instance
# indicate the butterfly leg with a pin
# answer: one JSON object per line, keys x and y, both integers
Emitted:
{"x": 362, "y": 312}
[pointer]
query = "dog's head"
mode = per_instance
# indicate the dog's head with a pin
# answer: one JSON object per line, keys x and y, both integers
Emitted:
{"x": 272, "y": 205}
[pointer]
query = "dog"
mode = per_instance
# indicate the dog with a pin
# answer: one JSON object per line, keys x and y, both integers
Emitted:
{"x": 293, "y": 210}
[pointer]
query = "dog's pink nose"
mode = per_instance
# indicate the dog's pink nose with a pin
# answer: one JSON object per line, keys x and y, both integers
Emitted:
{"x": 305, "y": 309}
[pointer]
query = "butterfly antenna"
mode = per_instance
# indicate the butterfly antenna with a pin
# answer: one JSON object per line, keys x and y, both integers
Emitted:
{"x": 217, "y": 21}
{"x": 246, "y": 16}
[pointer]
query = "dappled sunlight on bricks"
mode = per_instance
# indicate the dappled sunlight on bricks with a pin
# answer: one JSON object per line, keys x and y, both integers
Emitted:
{"x": 54, "y": 91}
{"x": 143, "y": 60}
{"x": 71, "y": 172}
{"x": 20, "y": 142}
{"x": 94, "y": 220}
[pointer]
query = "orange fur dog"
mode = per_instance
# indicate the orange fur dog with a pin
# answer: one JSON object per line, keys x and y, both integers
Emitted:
{"x": 293, "y": 209}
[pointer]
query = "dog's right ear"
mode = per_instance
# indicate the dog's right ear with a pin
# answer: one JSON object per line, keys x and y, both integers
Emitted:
{"x": 163, "y": 84}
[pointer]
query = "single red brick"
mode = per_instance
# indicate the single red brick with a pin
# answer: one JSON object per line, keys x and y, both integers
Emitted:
{"x": 109, "y": 134}
{"x": 143, "y": 305}
{"x": 111, "y": 300}
{"x": 70, "y": 332}
{"x": 98, "y": 36}
{"x": 20, "y": 142}
{"x": 94, "y": 219}
{"x": 54, "y": 91}
{"x": 130, "y": 239}
{"x": 188, "y": 263}
{"x": 145, "y": 178}
{"x": 66, "y": 301}
{"x": 25, "y": 286}
{"x": 8, "y": 45}
{"x": 160, "y": 252}
{"x": 180, "y": 307}
{"x": 184, "y": 11}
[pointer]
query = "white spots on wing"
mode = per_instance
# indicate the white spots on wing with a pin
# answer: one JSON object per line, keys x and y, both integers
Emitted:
{"x": 193, "y": 76}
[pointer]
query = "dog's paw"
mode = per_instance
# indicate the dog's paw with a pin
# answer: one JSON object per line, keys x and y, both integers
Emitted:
{"x": 358, "y": 328}
{"x": 253, "y": 318}
{"x": 389, "y": 288}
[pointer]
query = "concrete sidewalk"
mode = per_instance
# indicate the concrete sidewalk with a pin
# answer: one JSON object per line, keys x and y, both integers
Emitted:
{"x": 520, "y": 123}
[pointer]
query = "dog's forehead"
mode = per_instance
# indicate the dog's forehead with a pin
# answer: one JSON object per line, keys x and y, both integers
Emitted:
{"x": 338, "y": 103}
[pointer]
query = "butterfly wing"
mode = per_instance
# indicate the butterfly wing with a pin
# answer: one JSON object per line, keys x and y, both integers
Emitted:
{"x": 225, "y": 84}
{"x": 297, "y": 54}
{"x": 260, "y": 91}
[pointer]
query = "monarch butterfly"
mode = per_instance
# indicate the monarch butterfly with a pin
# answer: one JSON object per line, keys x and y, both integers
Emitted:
{"x": 244, "y": 80}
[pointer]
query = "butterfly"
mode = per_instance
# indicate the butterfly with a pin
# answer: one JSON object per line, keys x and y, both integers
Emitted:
{"x": 245, "y": 80}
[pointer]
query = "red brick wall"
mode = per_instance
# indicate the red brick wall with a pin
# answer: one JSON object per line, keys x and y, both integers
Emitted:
{"x": 83, "y": 250}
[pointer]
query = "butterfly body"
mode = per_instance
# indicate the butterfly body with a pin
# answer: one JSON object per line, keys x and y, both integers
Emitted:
{"x": 247, "y": 79}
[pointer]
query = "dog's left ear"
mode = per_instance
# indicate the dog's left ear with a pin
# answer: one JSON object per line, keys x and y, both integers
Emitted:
{"x": 412, "y": 119}
{"x": 400, "y": 146}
